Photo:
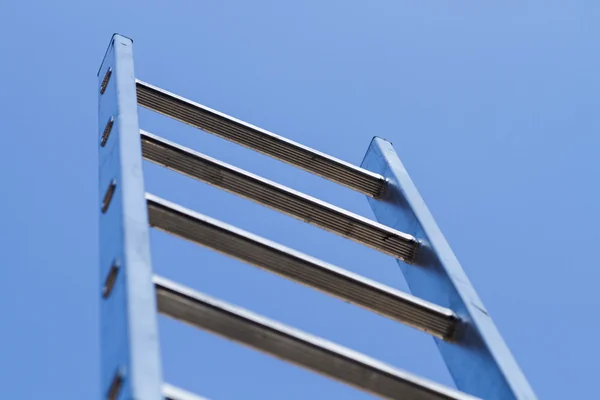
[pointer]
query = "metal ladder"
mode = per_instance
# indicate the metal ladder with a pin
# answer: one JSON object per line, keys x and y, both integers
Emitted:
{"x": 447, "y": 306}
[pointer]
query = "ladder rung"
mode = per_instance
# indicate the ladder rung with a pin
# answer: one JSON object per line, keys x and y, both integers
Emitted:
{"x": 278, "y": 197}
{"x": 258, "y": 139}
{"x": 292, "y": 345}
{"x": 170, "y": 392}
{"x": 301, "y": 268}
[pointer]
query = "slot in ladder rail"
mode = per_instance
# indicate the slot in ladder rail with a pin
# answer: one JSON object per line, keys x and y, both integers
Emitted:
{"x": 447, "y": 306}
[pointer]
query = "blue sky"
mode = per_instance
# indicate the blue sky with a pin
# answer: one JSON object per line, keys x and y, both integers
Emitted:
{"x": 492, "y": 106}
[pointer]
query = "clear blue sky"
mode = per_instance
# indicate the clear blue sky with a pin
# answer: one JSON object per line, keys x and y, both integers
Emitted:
{"x": 492, "y": 106}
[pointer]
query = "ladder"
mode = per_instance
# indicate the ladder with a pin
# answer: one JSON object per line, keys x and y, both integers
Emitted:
{"x": 443, "y": 304}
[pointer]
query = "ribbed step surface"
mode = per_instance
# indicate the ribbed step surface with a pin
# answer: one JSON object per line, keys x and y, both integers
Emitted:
{"x": 258, "y": 139}
{"x": 292, "y": 345}
{"x": 301, "y": 268}
{"x": 278, "y": 197}
{"x": 170, "y": 392}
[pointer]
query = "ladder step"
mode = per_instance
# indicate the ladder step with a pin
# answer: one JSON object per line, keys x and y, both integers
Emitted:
{"x": 170, "y": 392}
{"x": 258, "y": 139}
{"x": 278, "y": 197}
{"x": 292, "y": 345}
{"x": 296, "y": 266}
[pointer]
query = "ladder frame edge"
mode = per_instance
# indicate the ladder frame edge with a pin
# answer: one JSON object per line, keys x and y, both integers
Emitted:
{"x": 479, "y": 360}
{"x": 130, "y": 355}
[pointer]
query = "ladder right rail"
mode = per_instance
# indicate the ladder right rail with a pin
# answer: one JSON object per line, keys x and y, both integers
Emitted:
{"x": 479, "y": 360}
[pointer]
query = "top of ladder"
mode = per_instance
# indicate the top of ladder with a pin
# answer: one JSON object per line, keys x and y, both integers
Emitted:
{"x": 447, "y": 307}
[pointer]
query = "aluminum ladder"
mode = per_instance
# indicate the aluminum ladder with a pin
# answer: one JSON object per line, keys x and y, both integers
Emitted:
{"x": 447, "y": 306}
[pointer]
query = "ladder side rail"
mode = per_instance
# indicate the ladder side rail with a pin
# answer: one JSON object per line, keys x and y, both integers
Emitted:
{"x": 479, "y": 361}
{"x": 130, "y": 359}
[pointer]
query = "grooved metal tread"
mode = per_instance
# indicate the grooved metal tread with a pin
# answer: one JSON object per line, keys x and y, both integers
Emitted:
{"x": 291, "y": 264}
{"x": 294, "y": 346}
{"x": 199, "y": 116}
{"x": 278, "y": 197}
{"x": 170, "y": 392}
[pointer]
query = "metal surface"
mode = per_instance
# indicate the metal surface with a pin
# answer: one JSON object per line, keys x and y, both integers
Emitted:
{"x": 301, "y": 268}
{"x": 479, "y": 361}
{"x": 278, "y": 197}
{"x": 173, "y": 393}
{"x": 130, "y": 365}
{"x": 289, "y": 344}
{"x": 258, "y": 139}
